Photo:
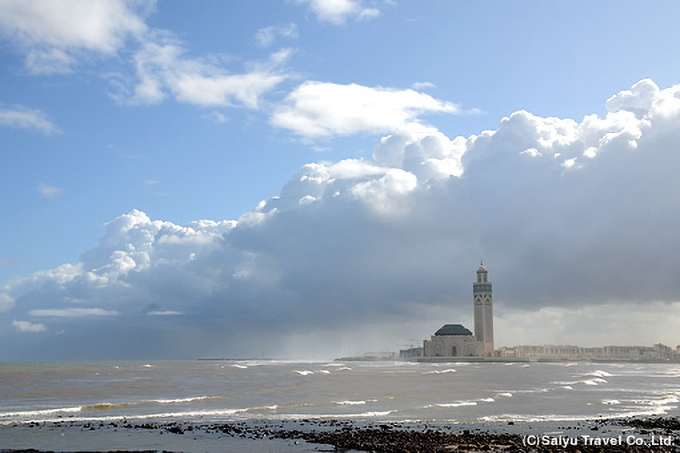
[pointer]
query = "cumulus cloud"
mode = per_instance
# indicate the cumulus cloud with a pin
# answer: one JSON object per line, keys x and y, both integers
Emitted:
{"x": 54, "y": 35}
{"x": 363, "y": 253}
{"x": 337, "y": 12}
{"x": 27, "y": 118}
{"x": 321, "y": 109}
{"x": 29, "y": 327}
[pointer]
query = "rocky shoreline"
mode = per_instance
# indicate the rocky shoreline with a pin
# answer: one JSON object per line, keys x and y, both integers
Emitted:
{"x": 626, "y": 435}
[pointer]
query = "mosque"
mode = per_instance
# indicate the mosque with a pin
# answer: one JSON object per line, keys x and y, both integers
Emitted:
{"x": 454, "y": 340}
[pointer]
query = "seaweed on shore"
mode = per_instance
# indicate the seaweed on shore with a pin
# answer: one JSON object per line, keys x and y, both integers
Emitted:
{"x": 396, "y": 437}
{"x": 666, "y": 424}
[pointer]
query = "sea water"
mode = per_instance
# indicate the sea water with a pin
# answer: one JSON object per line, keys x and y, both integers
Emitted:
{"x": 243, "y": 390}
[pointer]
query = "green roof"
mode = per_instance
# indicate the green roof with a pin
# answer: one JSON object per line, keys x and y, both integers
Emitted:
{"x": 453, "y": 329}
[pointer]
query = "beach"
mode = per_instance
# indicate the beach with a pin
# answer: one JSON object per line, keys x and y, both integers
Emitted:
{"x": 624, "y": 435}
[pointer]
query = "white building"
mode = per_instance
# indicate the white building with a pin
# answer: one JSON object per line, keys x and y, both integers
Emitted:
{"x": 454, "y": 340}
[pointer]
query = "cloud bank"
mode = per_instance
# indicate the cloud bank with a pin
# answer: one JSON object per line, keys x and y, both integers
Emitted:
{"x": 574, "y": 218}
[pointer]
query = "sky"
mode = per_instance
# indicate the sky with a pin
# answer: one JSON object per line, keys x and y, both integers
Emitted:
{"x": 319, "y": 178}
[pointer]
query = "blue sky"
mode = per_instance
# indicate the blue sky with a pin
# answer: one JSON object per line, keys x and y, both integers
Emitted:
{"x": 175, "y": 112}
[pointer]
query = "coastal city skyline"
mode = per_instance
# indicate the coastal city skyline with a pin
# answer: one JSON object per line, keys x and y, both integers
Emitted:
{"x": 319, "y": 179}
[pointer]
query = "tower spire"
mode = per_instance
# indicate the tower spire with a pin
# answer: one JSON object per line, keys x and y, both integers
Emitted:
{"x": 483, "y": 310}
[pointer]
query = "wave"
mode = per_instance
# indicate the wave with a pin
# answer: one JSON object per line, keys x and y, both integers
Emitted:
{"x": 652, "y": 412}
{"x": 39, "y": 412}
{"x": 308, "y": 372}
{"x": 99, "y": 407}
{"x": 370, "y": 414}
{"x": 599, "y": 373}
{"x": 241, "y": 367}
{"x": 594, "y": 381}
{"x": 450, "y": 370}
{"x": 462, "y": 403}
{"x": 663, "y": 401}
{"x": 458, "y": 404}
{"x": 349, "y": 403}
{"x": 110, "y": 406}
{"x": 188, "y": 400}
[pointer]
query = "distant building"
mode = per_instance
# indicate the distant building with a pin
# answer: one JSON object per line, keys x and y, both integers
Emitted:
{"x": 568, "y": 352}
{"x": 454, "y": 340}
{"x": 410, "y": 353}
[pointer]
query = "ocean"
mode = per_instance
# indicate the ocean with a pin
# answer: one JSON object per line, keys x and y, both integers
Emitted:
{"x": 222, "y": 391}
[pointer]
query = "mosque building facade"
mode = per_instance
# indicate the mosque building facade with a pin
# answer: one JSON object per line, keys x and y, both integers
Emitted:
{"x": 454, "y": 340}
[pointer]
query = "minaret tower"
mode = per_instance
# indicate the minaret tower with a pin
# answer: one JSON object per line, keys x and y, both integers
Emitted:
{"x": 483, "y": 301}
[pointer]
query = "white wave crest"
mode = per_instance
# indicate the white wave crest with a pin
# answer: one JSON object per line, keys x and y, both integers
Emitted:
{"x": 186, "y": 400}
{"x": 450, "y": 370}
{"x": 37, "y": 413}
{"x": 457, "y": 404}
{"x": 598, "y": 373}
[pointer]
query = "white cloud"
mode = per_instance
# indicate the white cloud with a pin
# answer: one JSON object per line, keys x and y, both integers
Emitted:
{"x": 637, "y": 100}
{"x": 48, "y": 191}
{"x": 163, "y": 68}
{"x": 419, "y": 86}
{"x": 337, "y": 12}
{"x": 266, "y": 36}
{"x": 390, "y": 243}
{"x": 71, "y": 312}
{"x": 6, "y": 302}
{"x": 54, "y": 35}
{"x": 164, "y": 313}
{"x": 318, "y": 109}
{"x": 26, "y": 118}
{"x": 28, "y": 327}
